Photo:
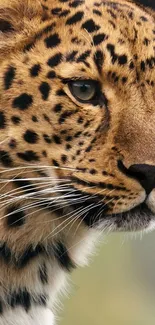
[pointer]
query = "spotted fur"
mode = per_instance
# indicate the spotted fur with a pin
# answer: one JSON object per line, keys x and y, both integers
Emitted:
{"x": 69, "y": 169}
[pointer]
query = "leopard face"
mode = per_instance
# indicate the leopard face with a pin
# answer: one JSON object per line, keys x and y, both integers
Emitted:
{"x": 77, "y": 113}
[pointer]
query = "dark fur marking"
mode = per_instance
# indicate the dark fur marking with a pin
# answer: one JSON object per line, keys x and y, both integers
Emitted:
{"x": 52, "y": 41}
{"x": 57, "y": 108}
{"x": 64, "y": 13}
{"x": 121, "y": 59}
{"x": 34, "y": 71}
{"x": 65, "y": 115}
{"x": 75, "y": 18}
{"x": 94, "y": 206}
{"x": 56, "y": 11}
{"x": 40, "y": 300}
{"x": 29, "y": 254}
{"x": 55, "y": 163}
{"x": 51, "y": 75}
{"x": 60, "y": 92}
{"x": 23, "y": 101}
{"x": 97, "y": 12}
{"x": 1, "y": 308}
{"x": 30, "y": 136}
{"x": 15, "y": 216}
{"x": 12, "y": 143}
{"x": 99, "y": 38}
{"x": 28, "y": 155}
{"x": 24, "y": 184}
{"x": 47, "y": 138}
{"x": 76, "y": 3}
{"x": 5, "y": 253}
{"x": 54, "y": 60}
{"x": 45, "y": 90}
{"x": 9, "y": 77}
{"x": 56, "y": 139}
{"x": 20, "y": 298}
{"x": 90, "y": 26}
{"x": 34, "y": 118}
{"x": 83, "y": 56}
{"x": 46, "y": 118}
{"x": 64, "y": 158}
{"x": 100, "y": 185}
{"x": 71, "y": 56}
{"x": 43, "y": 274}
{"x": 15, "y": 119}
{"x": 62, "y": 256}
{"x": 2, "y": 120}
{"x": 45, "y": 30}
{"x": 5, "y": 159}
{"x": 99, "y": 60}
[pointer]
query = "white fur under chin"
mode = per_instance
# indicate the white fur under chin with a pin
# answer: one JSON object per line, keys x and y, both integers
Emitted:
{"x": 36, "y": 316}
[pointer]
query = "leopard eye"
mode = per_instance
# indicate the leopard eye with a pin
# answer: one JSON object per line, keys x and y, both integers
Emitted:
{"x": 83, "y": 90}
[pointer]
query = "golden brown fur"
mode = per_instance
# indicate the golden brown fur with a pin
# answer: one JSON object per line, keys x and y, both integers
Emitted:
{"x": 87, "y": 148}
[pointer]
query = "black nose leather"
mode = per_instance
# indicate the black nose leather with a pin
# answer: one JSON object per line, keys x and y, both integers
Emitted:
{"x": 145, "y": 174}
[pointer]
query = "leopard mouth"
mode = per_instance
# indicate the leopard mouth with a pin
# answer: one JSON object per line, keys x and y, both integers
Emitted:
{"x": 138, "y": 218}
{"x": 97, "y": 215}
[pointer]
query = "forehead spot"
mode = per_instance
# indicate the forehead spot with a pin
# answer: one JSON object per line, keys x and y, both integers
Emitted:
{"x": 75, "y": 18}
{"x": 99, "y": 38}
{"x": 52, "y": 41}
{"x": 34, "y": 71}
{"x": 56, "y": 11}
{"x": 99, "y": 60}
{"x": 90, "y": 26}
{"x": 64, "y": 13}
{"x": 54, "y": 60}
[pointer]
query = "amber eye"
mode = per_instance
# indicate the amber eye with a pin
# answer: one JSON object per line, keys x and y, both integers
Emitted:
{"x": 83, "y": 90}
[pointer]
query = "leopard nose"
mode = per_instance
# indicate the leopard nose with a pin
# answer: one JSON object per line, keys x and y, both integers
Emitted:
{"x": 145, "y": 174}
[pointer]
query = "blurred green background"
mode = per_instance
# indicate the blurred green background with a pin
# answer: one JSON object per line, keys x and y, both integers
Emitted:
{"x": 118, "y": 287}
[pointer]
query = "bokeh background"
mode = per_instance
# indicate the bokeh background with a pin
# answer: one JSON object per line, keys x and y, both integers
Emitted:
{"x": 118, "y": 288}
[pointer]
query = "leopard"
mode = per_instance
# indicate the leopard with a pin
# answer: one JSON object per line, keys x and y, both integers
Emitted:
{"x": 77, "y": 141}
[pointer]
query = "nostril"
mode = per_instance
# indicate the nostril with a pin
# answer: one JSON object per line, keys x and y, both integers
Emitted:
{"x": 143, "y": 173}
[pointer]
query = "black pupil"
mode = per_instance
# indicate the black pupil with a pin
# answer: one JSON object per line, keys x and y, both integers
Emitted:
{"x": 83, "y": 90}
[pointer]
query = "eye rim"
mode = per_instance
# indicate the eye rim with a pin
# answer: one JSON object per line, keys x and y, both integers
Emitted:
{"x": 97, "y": 93}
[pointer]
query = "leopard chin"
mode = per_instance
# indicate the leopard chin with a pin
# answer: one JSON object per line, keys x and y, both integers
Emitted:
{"x": 139, "y": 218}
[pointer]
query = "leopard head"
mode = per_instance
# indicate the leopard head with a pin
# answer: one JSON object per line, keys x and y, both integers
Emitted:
{"x": 77, "y": 111}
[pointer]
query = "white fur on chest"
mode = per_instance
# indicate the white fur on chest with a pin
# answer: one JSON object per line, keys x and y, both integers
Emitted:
{"x": 36, "y": 316}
